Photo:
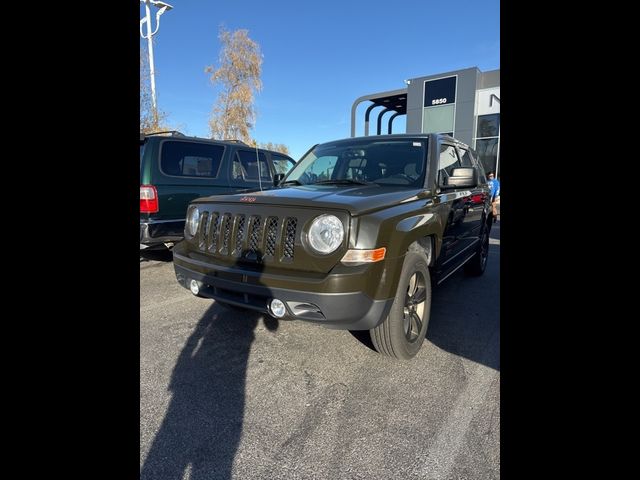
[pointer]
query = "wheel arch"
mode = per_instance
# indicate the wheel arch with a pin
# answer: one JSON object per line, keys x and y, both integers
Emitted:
{"x": 424, "y": 230}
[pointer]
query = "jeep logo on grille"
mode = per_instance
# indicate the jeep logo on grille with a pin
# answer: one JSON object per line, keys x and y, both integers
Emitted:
{"x": 248, "y": 199}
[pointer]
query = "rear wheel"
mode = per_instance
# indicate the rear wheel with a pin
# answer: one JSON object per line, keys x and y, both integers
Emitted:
{"x": 402, "y": 333}
{"x": 477, "y": 265}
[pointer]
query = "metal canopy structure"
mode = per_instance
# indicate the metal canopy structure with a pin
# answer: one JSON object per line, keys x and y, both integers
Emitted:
{"x": 391, "y": 101}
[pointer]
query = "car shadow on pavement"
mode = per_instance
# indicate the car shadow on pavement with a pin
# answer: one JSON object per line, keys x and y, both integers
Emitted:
{"x": 202, "y": 427}
{"x": 465, "y": 311}
{"x": 201, "y": 430}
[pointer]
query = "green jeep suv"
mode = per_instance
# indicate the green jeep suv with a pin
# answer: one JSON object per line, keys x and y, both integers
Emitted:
{"x": 352, "y": 238}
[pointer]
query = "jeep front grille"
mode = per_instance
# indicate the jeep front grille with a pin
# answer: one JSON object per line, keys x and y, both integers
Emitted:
{"x": 204, "y": 223}
{"x": 255, "y": 233}
{"x": 226, "y": 229}
{"x": 239, "y": 234}
{"x": 214, "y": 232}
{"x": 290, "y": 240}
{"x": 272, "y": 232}
{"x": 234, "y": 235}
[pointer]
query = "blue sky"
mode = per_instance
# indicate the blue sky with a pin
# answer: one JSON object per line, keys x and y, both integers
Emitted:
{"x": 318, "y": 58}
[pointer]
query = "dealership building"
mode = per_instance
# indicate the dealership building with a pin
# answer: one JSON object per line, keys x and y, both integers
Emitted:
{"x": 464, "y": 104}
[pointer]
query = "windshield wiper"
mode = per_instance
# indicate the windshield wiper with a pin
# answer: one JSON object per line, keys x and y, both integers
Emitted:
{"x": 295, "y": 182}
{"x": 342, "y": 181}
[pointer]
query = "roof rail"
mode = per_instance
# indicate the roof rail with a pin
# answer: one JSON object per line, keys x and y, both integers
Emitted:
{"x": 233, "y": 140}
{"x": 174, "y": 133}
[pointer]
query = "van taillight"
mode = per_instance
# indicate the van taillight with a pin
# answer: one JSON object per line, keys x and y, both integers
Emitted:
{"x": 148, "y": 199}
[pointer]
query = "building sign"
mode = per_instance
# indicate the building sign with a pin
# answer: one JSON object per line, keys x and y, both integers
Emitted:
{"x": 488, "y": 101}
{"x": 439, "y": 105}
{"x": 440, "y": 91}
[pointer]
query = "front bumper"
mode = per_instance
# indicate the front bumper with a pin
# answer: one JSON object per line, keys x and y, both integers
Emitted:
{"x": 353, "y": 310}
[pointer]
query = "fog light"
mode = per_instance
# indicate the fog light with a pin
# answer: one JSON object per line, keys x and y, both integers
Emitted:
{"x": 194, "y": 286}
{"x": 277, "y": 308}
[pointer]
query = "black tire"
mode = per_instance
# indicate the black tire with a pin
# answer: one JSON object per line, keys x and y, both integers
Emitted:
{"x": 478, "y": 264}
{"x": 402, "y": 333}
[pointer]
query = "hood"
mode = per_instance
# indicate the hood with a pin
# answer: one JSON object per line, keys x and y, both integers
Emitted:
{"x": 356, "y": 199}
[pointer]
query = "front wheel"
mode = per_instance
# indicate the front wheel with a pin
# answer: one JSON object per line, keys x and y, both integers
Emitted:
{"x": 402, "y": 333}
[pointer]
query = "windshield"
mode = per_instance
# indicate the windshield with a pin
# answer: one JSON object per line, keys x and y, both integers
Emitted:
{"x": 386, "y": 162}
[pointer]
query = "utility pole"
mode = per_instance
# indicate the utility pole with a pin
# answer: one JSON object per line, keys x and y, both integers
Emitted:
{"x": 163, "y": 7}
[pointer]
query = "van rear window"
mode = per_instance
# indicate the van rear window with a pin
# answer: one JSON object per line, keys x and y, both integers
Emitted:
{"x": 186, "y": 159}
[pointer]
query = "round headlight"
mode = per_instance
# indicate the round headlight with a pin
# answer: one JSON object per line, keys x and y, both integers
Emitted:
{"x": 326, "y": 234}
{"x": 193, "y": 218}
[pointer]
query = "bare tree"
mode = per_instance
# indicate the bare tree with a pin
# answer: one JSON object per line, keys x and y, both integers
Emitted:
{"x": 239, "y": 72}
{"x": 276, "y": 147}
{"x": 150, "y": 120}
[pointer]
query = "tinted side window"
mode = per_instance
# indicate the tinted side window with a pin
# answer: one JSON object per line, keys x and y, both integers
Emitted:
{"x": 141, "y": 155}
{"x": 466, "y": 160}
{"x": 281, "y": 164}
{"x": 245, "y": 166}
{"x": 448, "y": 161}
{"x": 188, "y": 159}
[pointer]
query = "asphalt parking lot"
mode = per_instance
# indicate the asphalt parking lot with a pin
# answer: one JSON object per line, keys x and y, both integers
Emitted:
{"x": 235, "y": 395}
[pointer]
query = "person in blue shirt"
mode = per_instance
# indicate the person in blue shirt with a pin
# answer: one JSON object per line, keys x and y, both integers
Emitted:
{"x": 494, "y": 185}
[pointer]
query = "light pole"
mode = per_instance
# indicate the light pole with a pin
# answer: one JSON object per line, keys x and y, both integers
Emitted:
{"x": 163, "y": 7}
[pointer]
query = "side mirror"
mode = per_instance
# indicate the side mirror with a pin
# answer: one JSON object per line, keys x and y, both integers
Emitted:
{"x": 462, "y": 177}
{"x": 277, "y": 178}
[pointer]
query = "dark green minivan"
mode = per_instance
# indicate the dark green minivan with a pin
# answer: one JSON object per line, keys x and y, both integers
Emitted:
{"x": 175, "y": 169}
